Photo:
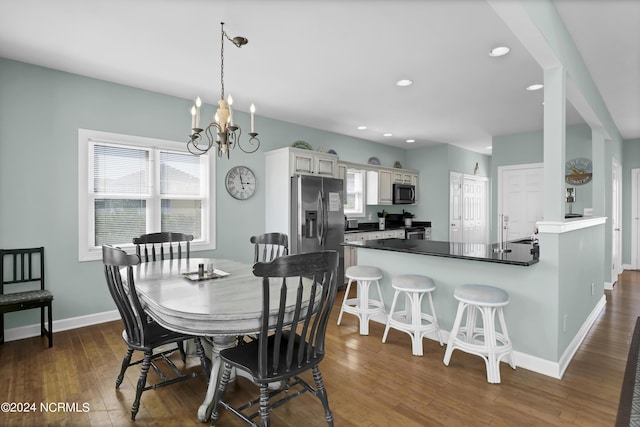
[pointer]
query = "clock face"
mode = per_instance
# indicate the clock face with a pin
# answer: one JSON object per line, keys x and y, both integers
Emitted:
{"x": 240, "y": 182}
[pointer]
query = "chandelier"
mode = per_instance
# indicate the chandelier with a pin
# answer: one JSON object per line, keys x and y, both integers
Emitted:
{"x": 222, "y": 130}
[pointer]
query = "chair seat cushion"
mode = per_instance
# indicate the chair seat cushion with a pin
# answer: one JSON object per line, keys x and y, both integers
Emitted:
{"x": 26, "y": 297}
{"x": 413, "y": 282}
{"x": 363, "y": 272}
{"x": 481, "y": 294}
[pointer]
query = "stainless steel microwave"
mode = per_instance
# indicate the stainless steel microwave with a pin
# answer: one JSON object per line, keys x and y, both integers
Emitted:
{"x": 404, "y": 194}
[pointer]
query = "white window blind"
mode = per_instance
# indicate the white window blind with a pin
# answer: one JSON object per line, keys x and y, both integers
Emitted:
{"x": 130, "y": 186}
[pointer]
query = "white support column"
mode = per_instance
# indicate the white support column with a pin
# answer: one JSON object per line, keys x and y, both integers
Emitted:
{"x": 554, "y": 143}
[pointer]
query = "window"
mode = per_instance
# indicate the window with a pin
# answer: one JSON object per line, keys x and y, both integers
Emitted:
{"x": 354, "y": 205}
{"x": 130, "y": 186}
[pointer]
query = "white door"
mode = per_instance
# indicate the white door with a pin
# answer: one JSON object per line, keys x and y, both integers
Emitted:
{"x": 455, "y": 207}
{"x": 468, "y": 217}
{"x": 474, "y": 209}
{"x": 635, "y": 219}
{"x": 520, "y": 190}
{"x": 616, "y": 221}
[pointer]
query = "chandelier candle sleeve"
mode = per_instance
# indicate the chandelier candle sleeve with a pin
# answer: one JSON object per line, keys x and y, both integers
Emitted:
{"x": 198, "y": 104}
{"x": 253, "y": 110}
{"x": 193, "y": 117}
{"x": 230, "y": 102}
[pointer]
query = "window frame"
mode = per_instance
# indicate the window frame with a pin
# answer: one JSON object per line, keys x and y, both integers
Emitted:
{"x": 361, "y": 212}
{"x": 86, "y": 198}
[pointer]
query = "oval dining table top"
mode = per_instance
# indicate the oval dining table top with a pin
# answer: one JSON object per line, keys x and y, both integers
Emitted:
{"x": 229, "y": 305}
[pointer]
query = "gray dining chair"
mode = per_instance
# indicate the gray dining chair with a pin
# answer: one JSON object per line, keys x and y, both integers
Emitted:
{"x": 164, "y": 245}
{"x": 269, "y": 246}
{"x": 290, "y": 342}
{"x": 142, "y": 333}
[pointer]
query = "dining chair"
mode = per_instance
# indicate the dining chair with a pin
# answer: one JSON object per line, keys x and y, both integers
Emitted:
{"x": 154, "y": 245}
{"x": 24, "y": 269}
{"x": 269, "y": 246}
{"x": 291, "y": 337}
{"x": 141, "y": 333}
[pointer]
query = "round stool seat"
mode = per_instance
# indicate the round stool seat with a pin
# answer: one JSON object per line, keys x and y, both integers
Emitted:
{"x": 413, "y": 283}
{"x": 363, "y": 272}
{"x": 481, "y": 295}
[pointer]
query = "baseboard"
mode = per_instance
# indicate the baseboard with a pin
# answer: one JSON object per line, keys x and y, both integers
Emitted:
{"x": 29, "y": 331}
{"x": 608, "y": 286}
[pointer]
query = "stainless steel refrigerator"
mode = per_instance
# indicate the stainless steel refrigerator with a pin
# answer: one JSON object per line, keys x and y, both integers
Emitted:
{"x": 317, "y": 216}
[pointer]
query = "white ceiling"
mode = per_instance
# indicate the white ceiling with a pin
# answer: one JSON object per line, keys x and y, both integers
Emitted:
{"x": 333, "y": 64}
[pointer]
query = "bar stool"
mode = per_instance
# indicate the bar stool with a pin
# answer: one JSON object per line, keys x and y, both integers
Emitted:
{"x": 483, "y": 341}
{"x": 362, "y": 306}
{"x": 410, "y": 320}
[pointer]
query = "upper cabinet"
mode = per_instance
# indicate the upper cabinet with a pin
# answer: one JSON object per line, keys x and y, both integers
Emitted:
{"x": 305, "y": 162}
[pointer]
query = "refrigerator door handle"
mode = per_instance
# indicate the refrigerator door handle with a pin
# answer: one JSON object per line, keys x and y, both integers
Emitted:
{"x": 321, "y": 216}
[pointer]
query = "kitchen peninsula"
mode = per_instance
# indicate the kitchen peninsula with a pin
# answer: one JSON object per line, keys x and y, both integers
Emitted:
{"x": 550, "y": 309}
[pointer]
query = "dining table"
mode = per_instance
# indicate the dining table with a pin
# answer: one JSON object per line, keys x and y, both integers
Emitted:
{"x": 182, "y": 295}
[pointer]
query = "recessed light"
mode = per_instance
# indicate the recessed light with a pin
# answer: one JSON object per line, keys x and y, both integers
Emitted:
{"x": 404, "y": 82}
{"x": 388, "y": 134}
{"x": 499, "y": 51}
{"x": 410, "y": 141}
{"x": 537, "y": 86}
{"x": 362, "y": 127}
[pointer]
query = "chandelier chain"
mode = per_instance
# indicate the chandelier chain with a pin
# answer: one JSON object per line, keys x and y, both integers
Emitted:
{"x": 222, "y": 60}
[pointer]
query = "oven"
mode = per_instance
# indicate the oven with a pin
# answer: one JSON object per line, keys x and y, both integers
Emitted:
{"x": 416, "y": 233}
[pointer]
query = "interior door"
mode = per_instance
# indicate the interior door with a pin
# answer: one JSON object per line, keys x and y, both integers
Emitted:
{"x": 520, "y": 190}
{"x": 468, "y": 199}
{"x": 616, "y": 221}
{"x": 455, "y": 207}
{"x": 474, "y": 207}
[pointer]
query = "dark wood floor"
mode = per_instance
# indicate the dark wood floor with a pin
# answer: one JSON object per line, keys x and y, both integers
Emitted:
{"x": 369, "y": 383}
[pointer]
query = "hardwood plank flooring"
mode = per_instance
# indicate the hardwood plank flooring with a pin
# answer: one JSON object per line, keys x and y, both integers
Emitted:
{"x": 369, "y": 383}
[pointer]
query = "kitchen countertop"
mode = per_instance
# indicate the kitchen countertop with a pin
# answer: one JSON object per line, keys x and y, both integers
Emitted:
{"x": 522, "y": 254}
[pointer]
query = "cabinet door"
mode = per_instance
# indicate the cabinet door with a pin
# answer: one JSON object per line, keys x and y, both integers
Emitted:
{"x": 397, "y": 176}
{"x": 326, "y": 167}
{"x": 302, "y": 164}
{"x": 385, "y": 187}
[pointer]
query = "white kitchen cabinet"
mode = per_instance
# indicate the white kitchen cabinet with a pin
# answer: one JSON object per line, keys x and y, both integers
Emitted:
{"x": 379, "y": 187}
{"x": 305, "y": 162}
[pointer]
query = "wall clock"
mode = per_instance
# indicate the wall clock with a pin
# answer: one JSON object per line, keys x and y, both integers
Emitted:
{"x": 578, "y": 171}
{"x": 240, "y": 182}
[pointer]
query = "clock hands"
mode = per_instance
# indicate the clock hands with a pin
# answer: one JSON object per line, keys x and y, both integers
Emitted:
{"x": 240, "y": 173}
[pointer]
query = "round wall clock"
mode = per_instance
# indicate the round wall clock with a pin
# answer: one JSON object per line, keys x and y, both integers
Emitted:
{"x": 240, "y": 182}
{"x": 578, "y": 171}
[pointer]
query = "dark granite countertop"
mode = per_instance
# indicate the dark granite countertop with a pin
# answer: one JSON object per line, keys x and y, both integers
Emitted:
{"x": 523, "y": 254}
